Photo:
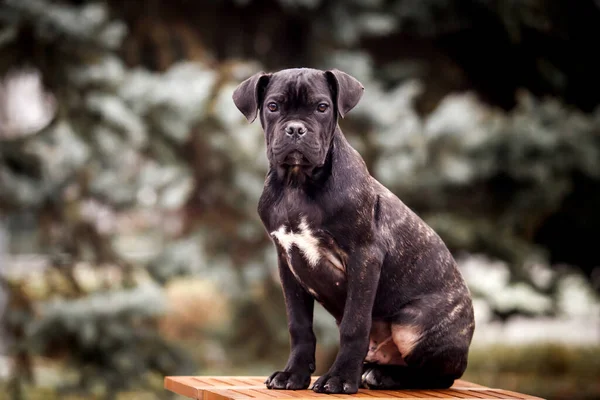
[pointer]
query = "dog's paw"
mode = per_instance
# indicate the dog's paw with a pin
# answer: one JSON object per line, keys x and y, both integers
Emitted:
{"x": 288, "y": 380}
{"x": 335, "y": 383}
{"x": 374, "y": 378}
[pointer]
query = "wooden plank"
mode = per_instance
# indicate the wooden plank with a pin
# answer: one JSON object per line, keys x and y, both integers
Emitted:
{"x": 179, "y": 386}
{"x": 434, "y": 393}
{"x": 222, "y": 394}
{"x": 253, "y": 388}
{"x": 398, "y": 394}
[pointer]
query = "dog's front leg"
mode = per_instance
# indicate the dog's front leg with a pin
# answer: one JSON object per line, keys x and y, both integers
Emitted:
{"x": 363, "y": 272}
{"x": 299, "y": 308}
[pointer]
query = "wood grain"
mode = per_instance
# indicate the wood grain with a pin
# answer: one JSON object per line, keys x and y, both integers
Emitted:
{"x": 253, "y": 387}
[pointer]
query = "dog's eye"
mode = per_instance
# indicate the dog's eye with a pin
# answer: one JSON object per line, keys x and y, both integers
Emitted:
{"x": 272, "y": 107}
{"x": 322, "y": 107}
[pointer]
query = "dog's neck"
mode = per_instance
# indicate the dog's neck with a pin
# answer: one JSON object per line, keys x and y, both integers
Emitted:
{"x": 302, "y": 177}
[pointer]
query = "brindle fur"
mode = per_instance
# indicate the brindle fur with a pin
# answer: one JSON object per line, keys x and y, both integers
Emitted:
{"x": 398, "y": 288}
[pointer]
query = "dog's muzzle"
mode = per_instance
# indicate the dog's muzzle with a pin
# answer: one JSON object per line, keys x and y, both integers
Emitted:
{"x": 295, "y": 129}
{"x": 295, "y": 158}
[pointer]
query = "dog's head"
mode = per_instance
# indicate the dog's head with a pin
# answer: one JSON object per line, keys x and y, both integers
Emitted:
{"x": 298, "y": 111}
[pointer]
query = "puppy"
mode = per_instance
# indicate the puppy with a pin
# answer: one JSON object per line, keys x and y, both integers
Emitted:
{"x": 403, "y": 310}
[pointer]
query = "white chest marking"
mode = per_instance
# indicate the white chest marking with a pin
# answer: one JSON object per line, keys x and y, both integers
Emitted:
{"x": 304, "y": 240}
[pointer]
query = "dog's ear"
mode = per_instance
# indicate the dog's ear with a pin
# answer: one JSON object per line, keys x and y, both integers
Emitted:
{"x": 346, "y": 90}
{"x": 249, "y": 94}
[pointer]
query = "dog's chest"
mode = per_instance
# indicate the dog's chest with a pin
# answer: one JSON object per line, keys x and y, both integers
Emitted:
{"x": 313, "y": 258}
{"x": 302, "y": 238}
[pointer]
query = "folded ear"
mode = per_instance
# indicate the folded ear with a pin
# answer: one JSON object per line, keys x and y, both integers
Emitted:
{"x": 347, "y": 90}
{"x": 249, "y": 94}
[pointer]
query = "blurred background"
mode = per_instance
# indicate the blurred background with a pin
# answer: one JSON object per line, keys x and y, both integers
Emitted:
{"x": 130, "y": 245}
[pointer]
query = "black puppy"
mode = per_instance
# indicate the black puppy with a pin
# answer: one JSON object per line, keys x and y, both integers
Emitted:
{"x": 403, "y": 310}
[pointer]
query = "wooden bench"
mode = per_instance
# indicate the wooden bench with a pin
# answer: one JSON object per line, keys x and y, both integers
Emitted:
{"x": 253, "y": 387}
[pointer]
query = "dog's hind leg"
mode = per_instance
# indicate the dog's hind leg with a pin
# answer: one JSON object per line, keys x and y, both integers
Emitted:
{"x": 427, "y": 367}
{"x": 395, "y": 377}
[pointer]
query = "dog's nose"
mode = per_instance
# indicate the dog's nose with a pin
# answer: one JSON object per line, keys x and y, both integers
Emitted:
{"x": 295, "y": 128}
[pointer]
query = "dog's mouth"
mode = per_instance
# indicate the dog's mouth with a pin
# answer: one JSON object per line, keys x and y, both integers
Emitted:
{"x": 296, "y": 159}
